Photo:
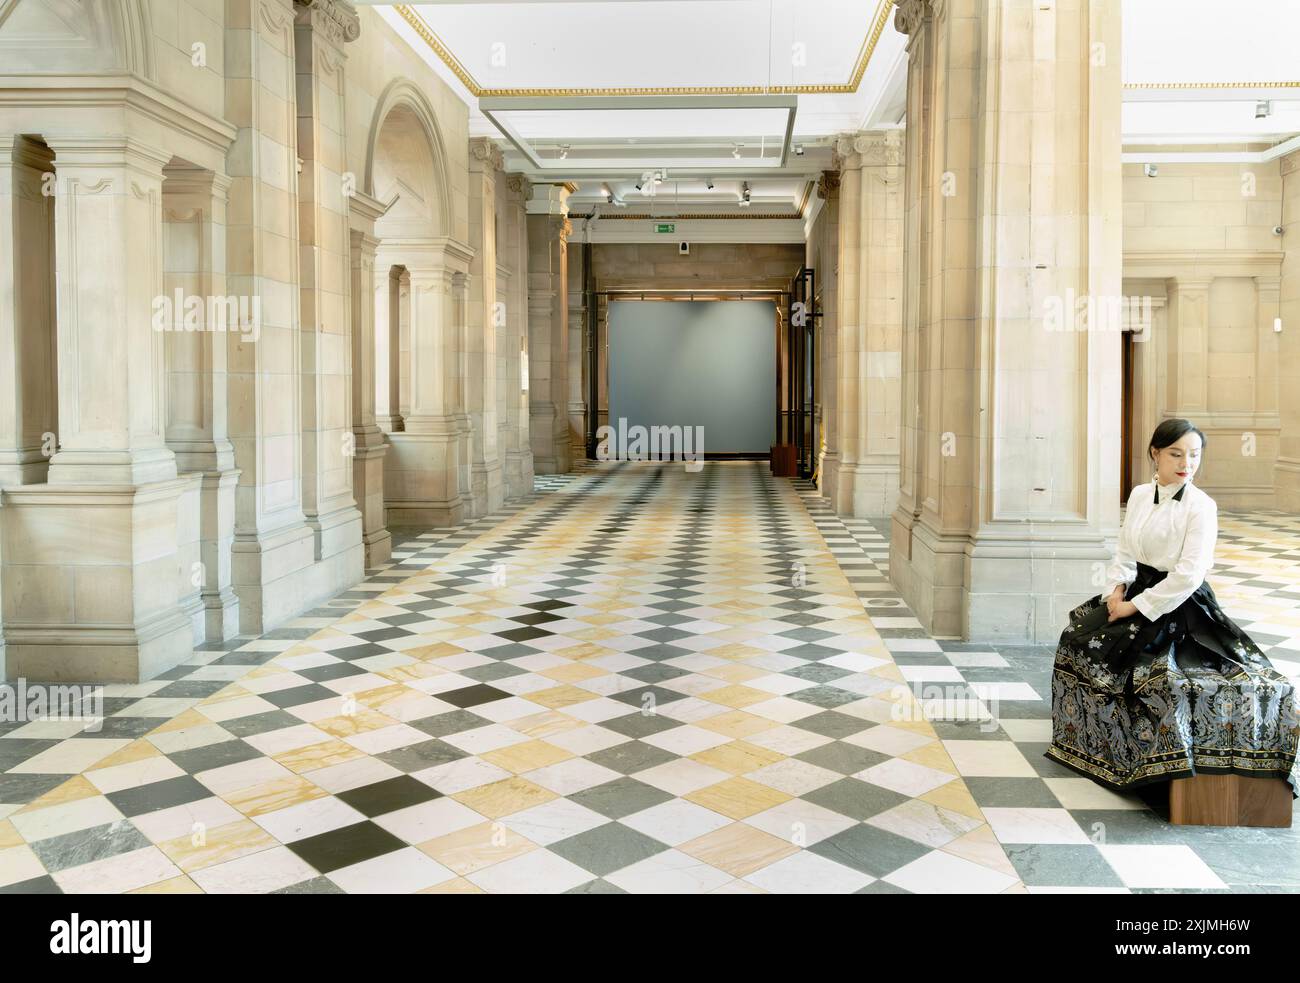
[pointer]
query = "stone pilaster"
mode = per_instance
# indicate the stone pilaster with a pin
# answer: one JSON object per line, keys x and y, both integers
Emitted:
{"x": 1287, "y": 473}
{"x": 369, "y": 446}
{"x": 194, "y": 266}
{"x": 869, "y": 324}
{"x": 576, "y": 408}
{"x": 548, "y": 334}
{"x": 517, "y": 452}
{"x": 1008, "y": 500}
{"x": 321, "y": 30}
{"x": 273, "y": 552}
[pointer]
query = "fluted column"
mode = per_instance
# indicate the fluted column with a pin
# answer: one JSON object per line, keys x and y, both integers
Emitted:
{"x": 548, "y": 335}
{"x": 1009, "y": 488}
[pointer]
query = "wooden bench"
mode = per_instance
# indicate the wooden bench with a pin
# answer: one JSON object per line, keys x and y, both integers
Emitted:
{"x": 1230, "y": 800}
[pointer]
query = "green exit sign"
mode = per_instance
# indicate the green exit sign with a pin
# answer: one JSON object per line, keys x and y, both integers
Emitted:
{"x": 665, "y": 227}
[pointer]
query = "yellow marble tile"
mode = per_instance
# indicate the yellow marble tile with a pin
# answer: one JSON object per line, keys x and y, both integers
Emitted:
{"x": 738, "y": 757}
{"x": 216, "y": 845}
{"x": 348, "y": 725}
{"x": 502, "y": 798}
{"x": 737, "y": 798}
{"x": 135, "y": 751}
{"x": 476, "y": 847}
{"x": 435, "y": 651}
{"x": 737, "y": 723}
{"x": 318, "y": 755}
{"x": 737, "y": 652}
{"x": 377, "y": 697}
{"x": 587, "y": 650}
{"x": 981, "y": 846}
{"x": 737, "y": 673}
{"x": 173, "y": 885}
{"x": 530, "y": 755}
{"x": 738, "y": 849}
{"x": 736, "y": 696}
{"x": 8, "y": 835}
{"x": 573, "y": 672}
{"x": 279, "y": 793}
{"x": 457, "y": 885}
{"x": 74, "y": 789}
{"x": 933, "y": 756}
{"x": 954, "y": 796}
{"x": 547, "y": 723}
{"x": 558, "y": 697}
{"x": 188, "y": 718}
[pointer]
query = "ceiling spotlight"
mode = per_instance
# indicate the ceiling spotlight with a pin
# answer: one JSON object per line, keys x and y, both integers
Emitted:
{"x": 744, "y": 195}
{"x": 1149, "y": 170}
{"x": 638, "y": 185}
{"x": 798, "y": 149}
{"x": 735, "y": 150}
{"x": 708, "y": 183}
{"x": 1263, "y": 108}
{"x": 564, "y": 151}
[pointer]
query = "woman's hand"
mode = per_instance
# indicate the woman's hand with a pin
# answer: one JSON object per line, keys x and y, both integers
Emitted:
{"x": 1115, "y": 598}
{"x": 1123, "y": 609}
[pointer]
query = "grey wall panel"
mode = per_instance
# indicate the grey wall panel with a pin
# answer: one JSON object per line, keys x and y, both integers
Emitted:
{"x": 696, "y": 363}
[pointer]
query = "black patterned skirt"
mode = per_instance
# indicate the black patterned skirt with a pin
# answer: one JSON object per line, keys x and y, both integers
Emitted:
{"x": 1137, "y": 701}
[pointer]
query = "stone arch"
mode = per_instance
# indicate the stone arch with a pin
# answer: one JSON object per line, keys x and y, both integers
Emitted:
{"x": 406, "y": 145}
{"x": 75, "y": 36}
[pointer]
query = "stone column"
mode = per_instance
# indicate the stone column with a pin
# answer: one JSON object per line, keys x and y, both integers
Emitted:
{"x": 487, "y": 487}
{"x": 1008, "y": 502}
{"x": 194, "y": 204}
{"x": 369, "y": 447}
{"x": 28, "y": 382}
{"x": 1287, "y": 473}
{"x": 576, "y": 410}
{"x": 422, "y": 468}
{"x": 517, "y": 453}
{"x": 869, "y": 333}
{"x": 321, "y": 30}
{"x": 548, "y": 335}
{"x": 827, "y": 267}
{"x": 388, "y": 348}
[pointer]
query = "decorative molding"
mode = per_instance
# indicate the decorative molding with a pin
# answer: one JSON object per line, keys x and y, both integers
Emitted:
{"x": 908, "y": 16}
{"x": 828, "y": 184}
{"x": 875, "y": 27}
{"x": 337, "y": 19}
{"x": 482, "y": 149}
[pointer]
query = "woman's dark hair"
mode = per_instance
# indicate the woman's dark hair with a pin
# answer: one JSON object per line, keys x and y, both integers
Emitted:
{"x": 1172, "y": 431}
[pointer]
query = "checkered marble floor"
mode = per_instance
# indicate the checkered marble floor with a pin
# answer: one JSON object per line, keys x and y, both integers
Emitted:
{"x": 991, "y": 707}
{"x": 640, "y": 679}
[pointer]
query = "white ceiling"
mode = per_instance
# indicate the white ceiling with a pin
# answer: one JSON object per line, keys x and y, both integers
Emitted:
{"x": 1193, "y": 70}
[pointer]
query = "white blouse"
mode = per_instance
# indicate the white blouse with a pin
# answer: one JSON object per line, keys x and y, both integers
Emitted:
{"x": 1177, "y": 536}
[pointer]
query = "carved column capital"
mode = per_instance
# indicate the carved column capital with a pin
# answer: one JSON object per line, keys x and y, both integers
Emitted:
{"x": 336, "y": 19}
{"x": 486, "y": 153}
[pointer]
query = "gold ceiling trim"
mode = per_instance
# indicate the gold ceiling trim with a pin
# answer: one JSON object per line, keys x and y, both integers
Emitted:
{"x": 426, "y": 34}
{"x": 1212, "y": 85}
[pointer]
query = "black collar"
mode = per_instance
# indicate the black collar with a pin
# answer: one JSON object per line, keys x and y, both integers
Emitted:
{"x": 1178, "y": 496}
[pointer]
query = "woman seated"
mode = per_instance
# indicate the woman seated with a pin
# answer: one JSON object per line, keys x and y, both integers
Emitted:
{"x": 1152, "y": 681}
